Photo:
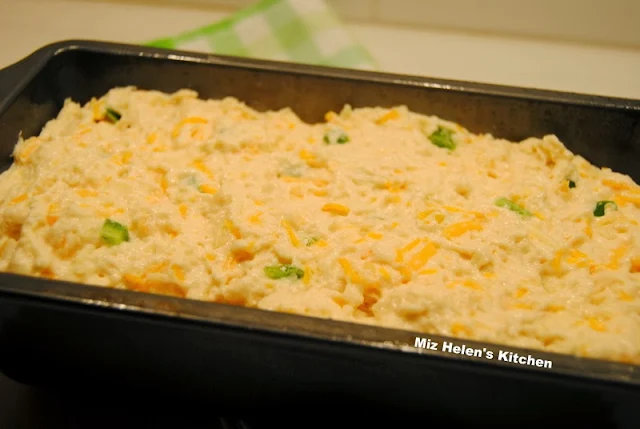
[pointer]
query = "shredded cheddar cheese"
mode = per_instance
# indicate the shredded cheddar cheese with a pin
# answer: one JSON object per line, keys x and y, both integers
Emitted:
{"x": 233, "y": 229}
{"x": 337, "y": 209}
{"x": 207, "y": 189}
{"x": 351, "y": 274}
{"x": 190, "y": 120}
{"x": 20, "y": 198}
{"x": 457, "y": 229}
{"x": 291, "y": 233}
{"x": 199, "y": 165}
{"x": 421, "y": 257}
{"x": 391, "y": 115}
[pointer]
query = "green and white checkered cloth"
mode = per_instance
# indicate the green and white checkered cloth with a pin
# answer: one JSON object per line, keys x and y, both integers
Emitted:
{"x": 301, "y": 31}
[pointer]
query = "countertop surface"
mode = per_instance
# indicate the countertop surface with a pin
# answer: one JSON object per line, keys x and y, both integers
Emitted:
{"x": 30, "y": 24}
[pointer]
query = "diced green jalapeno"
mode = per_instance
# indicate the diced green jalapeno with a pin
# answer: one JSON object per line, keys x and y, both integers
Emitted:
{"x": 599, "y": 211}
{"x": 282, "y": 271}
{"x": 503, "y": 202}
{"x": 336, "y": 136}
{"x": 113, "y": 232}
{"x": 112, "y": 115}
{"x": 310, "y": 241}
{"x": 443, "y": 137}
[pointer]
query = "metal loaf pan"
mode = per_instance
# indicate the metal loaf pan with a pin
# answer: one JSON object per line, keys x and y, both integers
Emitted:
{"x": 252, "y": 360}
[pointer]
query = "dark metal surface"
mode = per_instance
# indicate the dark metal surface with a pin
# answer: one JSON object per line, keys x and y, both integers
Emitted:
{"x": 26, "y": 407}
{"x": 254, "y": 360}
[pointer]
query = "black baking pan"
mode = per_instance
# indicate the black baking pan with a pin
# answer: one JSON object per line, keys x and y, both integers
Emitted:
{"x": 54, "y": 332}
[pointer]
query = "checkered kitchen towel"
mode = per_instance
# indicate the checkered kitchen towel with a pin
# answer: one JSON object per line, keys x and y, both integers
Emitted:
{"x": 302, "y": 31}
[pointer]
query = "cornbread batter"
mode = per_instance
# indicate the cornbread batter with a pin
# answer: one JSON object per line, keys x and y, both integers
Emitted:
{"x": 379, "y": 216}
